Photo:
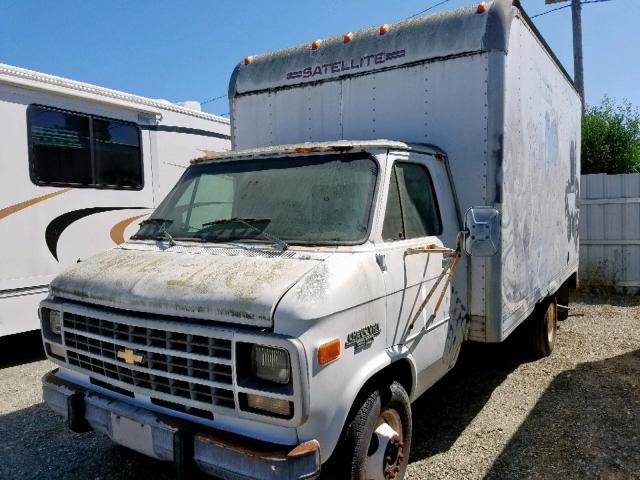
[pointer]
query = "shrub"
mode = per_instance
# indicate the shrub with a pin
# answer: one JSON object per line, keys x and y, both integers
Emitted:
{"x": 611, "y": 138}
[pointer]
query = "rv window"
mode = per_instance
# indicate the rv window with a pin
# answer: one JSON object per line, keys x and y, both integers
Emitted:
{"x": 60, "y": 147}
{"x": 411, "y": 192}
{"x": 71, "y": 149}
{"x": 117, "y": 153}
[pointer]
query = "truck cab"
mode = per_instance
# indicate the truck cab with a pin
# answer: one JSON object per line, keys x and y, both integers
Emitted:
{"x": 262, "y": 297}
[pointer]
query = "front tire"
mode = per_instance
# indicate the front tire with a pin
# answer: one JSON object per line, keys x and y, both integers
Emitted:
{"x": 377, "y": 440}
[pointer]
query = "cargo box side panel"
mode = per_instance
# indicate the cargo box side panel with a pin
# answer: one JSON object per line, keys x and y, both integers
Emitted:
{"x": 276, "y": 117}
{"x": 540, "y": 179}
{"x": 443, "y": 103}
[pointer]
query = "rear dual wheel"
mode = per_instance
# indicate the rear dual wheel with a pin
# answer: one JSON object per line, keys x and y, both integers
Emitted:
{"x": 543, "y": 327}
{"x": 377, "y": 440}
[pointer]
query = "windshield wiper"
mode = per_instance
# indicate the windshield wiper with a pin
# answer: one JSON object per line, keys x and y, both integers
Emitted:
{"x": 156, "y": 220}
{"x": 162, "y": 222}
{"x": 245, "y": 221}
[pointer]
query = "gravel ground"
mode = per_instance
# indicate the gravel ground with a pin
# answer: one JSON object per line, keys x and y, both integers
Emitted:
{"x": 498, "y": 414}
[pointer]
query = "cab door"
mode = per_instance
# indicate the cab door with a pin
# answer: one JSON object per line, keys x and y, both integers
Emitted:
{"x": 419, "y": 211}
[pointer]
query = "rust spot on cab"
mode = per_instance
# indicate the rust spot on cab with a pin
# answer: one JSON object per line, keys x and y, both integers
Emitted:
{"x": 307, "y": 149}
{"x": 330, "y": 148}
{"x": 242, "y": 445}
{"x": 340, "y": 148}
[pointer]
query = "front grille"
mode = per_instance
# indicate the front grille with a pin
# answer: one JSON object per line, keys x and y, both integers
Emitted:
{"x": 182, "y": 365}
{"x": 180, "y": 342}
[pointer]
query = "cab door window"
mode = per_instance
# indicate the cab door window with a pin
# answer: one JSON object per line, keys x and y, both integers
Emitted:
{"x": 412, "y": 208}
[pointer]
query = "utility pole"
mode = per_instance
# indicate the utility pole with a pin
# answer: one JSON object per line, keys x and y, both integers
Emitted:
{"x": 578, "y": 76}
{"x": 576, "y": 16}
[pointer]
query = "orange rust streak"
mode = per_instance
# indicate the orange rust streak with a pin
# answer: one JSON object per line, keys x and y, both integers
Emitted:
{"x": 5, "y": 212}
{"x": 117, "y": 231}
{"x": 307, "y": 149}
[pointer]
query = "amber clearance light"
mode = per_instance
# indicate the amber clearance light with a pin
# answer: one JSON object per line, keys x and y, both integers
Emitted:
{"x": 328, "y": 351}
{"x": 482, "y": 7}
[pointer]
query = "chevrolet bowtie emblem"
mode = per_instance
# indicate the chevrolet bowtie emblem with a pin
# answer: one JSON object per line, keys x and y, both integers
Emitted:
{"x": 130, "y": 357}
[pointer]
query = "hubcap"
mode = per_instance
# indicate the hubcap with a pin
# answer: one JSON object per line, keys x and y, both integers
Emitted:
{"x": 386, "y": 449}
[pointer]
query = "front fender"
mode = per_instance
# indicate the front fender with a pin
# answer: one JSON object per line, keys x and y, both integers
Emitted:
{"x": 343, "y": 294}
{"x": 333, "y": 388}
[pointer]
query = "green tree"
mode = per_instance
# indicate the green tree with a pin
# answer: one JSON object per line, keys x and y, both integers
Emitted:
{"x": 611, "y": 138}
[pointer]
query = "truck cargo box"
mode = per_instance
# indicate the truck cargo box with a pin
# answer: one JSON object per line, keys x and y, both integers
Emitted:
{"x": 484, "y": 87}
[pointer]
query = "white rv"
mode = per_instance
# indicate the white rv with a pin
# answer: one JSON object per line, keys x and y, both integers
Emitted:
{"x": 392, "y": 192}
{"x": 81, "y": 167}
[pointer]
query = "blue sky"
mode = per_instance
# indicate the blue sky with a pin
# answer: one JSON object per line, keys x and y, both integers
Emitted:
{"x": 186, "y": 50}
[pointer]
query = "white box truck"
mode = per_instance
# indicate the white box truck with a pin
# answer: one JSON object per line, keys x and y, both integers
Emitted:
{"x": 81, "y": 165}
{"x": 392, "y": 192}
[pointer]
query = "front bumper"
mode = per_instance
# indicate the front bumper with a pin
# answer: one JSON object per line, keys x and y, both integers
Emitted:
{"x": 215, "y": 452}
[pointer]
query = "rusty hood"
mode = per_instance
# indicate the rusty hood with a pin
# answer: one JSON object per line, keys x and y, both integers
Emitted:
{"x": 240, "y": 286}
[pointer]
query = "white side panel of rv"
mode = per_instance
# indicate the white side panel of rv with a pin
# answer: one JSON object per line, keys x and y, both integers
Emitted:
{"x": 540, "y": 187}
{"x": 25, "y": 257}
{"x": 31, "y": 255}
{"x": 44, "y": 229}
{"x": 188, "y": 138}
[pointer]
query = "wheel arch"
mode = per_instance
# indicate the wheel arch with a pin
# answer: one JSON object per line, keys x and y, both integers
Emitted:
{"x": 400, "y": 369}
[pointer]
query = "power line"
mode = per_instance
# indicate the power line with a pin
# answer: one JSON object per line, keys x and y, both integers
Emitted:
{"x": 204, "y": 102}
{"x": 566, "y": 6}
{"x": 427, "y": 9}
{"x": 551, "y": 11}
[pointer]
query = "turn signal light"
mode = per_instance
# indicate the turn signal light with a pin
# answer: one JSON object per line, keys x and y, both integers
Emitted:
{"x": 329, "y": 351}
{"x": 482, "y": 7}
{"x": 278, "y": 406}
{"x": 347, "y": 37}
{"x": 56, "y": 350}
{"x": 315, "y": 44}
{"x": 384, "y": 28}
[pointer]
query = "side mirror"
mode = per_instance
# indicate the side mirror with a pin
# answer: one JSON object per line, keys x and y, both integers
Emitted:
{"x": 482, "y": 231}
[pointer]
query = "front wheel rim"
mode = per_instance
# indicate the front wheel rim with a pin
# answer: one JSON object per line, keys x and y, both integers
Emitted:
{"x": 386, "y": 448}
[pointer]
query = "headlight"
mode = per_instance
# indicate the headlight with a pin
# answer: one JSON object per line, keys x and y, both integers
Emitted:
{"x": 271, "y": 364}
{"x": 55, "y": 321}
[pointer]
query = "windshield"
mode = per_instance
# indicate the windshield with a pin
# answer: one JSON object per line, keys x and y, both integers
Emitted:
{"x": 306, "y": 199}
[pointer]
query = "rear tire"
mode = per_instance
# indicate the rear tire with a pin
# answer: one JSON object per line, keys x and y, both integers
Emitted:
{"x": 377, "y": 440}
{"x": 543, "y": 327}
